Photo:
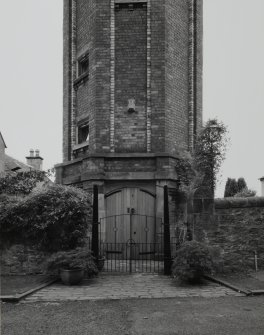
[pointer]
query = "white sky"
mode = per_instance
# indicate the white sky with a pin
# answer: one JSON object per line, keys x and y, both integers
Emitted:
{"x": 31, "y": 80}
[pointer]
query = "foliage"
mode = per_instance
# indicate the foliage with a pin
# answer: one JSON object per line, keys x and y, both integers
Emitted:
{"x": 231, "y": 188}
{"x": 210, "y": 149}
{"x": 227, "y": 188}
{"x": 21, "y": 183}
{"x": 73, "y": 259}
{"x": 51, "y": 218}
{"x": 189, "y": 179}
{"x": 192, "y": 261}
{"x": 241, "y": 184}
{"x": 199, "y": 169}
{"x": 238, "y": 188}
{"x": 245, "y": 193}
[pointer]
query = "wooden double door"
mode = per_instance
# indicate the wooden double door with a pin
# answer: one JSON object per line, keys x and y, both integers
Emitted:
{"x": 130, "y": 216}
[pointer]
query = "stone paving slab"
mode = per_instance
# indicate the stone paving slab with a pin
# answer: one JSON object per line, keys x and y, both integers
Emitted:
{"x": 128, "y": 287}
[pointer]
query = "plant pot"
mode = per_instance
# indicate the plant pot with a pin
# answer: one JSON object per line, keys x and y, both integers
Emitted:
{"x": 100, "y": 263}
{"x": 71, "y": 277}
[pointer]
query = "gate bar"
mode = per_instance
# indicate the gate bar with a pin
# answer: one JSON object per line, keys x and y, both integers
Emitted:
{"x": 167, "y": 247}
{"x": 95, "y": 234}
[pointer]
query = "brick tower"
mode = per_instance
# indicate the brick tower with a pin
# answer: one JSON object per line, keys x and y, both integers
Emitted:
{"x": 132, "y": 97}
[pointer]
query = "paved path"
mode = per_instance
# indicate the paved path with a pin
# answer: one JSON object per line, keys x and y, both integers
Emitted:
{"x": 128, "y": 286}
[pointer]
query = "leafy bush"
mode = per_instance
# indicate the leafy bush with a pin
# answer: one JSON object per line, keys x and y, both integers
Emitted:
{"x": 73, "y": 259}
{"x": 21, "y": 183}
{"x": 245, "y": 193}
{"x": 192, "y": 261}
{"x": 52, "y": 218}
{"x": 241, "y": 184}
{"x": 231, "y": 187}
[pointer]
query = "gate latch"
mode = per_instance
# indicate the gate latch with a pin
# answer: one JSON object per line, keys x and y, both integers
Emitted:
{"x": 131, "y": 210}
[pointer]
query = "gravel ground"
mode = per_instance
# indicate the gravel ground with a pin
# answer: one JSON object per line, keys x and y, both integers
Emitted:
{"x": 189, "y": 316}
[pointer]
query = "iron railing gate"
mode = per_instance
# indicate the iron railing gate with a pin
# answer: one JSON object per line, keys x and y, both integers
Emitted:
{"x": 132, "y": 243}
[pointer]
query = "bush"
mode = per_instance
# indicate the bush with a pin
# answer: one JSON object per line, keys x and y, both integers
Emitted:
{"x": 51, "y": 218}
{"x": 73, "y": 259}
{"x": 192, "y": 261}
{"x": 21, "y": 183}
{"x": 245, "y": 193}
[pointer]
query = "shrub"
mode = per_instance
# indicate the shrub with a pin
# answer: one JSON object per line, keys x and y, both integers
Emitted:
{"x": 245, "y": 193}
{"x": 21, "y": 183}
{"x": 51, "y": 218}
{"x": 73, "y": 259}
{"x": 192, "y": 261}
{"x": 231, "y": 187}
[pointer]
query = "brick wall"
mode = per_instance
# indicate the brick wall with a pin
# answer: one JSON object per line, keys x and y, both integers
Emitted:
{"x": 157, "y": 76}
{"x": 199, "y": 64}
{"x": 176, "y": 75}
{"x": 103, "y": 76}
{"x": 66, "y": 78}
{"x": 237, "y": 229}
{"x": 142, "y": 54}
{"x": 85, "y": 43}
{"x": 130, "y": 77}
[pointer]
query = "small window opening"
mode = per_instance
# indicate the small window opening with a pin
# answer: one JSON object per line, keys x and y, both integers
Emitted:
{"x": 83, "y": 133}
{"x": 83, "y": 65}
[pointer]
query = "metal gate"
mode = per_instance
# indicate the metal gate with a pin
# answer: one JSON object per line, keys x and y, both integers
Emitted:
{"x": 131, "y": 243}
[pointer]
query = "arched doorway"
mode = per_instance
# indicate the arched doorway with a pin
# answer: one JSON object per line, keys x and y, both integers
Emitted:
{"x": 130, "y": 214}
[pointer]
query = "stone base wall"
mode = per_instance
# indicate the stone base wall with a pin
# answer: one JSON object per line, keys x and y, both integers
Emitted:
{"x": 236, "y": 228}
{"x": 20, "y": 259}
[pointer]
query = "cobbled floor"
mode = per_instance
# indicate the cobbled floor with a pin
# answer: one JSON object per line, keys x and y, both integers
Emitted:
{"x": 108, "y": 286}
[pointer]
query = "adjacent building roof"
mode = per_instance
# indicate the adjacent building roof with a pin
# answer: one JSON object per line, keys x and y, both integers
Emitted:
{"x": 12, "y": 164}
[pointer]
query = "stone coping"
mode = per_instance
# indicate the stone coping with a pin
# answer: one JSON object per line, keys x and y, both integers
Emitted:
{"x": 116, "y": 155}
{"x": 18, "y": 297}
{"x": 227, "y": 203}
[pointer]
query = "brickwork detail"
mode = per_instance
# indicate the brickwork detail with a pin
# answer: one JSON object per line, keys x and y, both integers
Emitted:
{"x": 191, "y": 73}
{"x": 73, "y": 75}
{"x": 112, "y": 73}
{"x": 157, "y": 81}
{"x": 66, "y": 78}
{"x": 149, "y": 116}
{"x": 176, "y": 75}
{"x": 130, "y": 76}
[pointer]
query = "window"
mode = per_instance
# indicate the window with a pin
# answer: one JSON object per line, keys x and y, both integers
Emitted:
{"x": 83, "y": 133}
{"x": 83, "y": 65}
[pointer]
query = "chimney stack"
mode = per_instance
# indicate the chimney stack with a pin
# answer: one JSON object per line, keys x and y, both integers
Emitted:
{"x": 35, "y": 160}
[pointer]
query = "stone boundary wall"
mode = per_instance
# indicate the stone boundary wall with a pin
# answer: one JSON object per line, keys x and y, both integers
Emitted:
{"x": 22, "y": 260}
{"x": 236, "y": 228}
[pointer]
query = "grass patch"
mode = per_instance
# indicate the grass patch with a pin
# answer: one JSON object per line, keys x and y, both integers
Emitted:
{"x": 250, "y": 281}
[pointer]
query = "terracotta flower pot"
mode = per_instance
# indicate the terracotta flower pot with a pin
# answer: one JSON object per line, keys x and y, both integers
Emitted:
{"x": 71, "y": 277}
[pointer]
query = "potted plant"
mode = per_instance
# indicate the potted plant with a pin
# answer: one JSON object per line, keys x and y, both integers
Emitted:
{"x": 72, "y": 265}
{"x": 100, "y": 262}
